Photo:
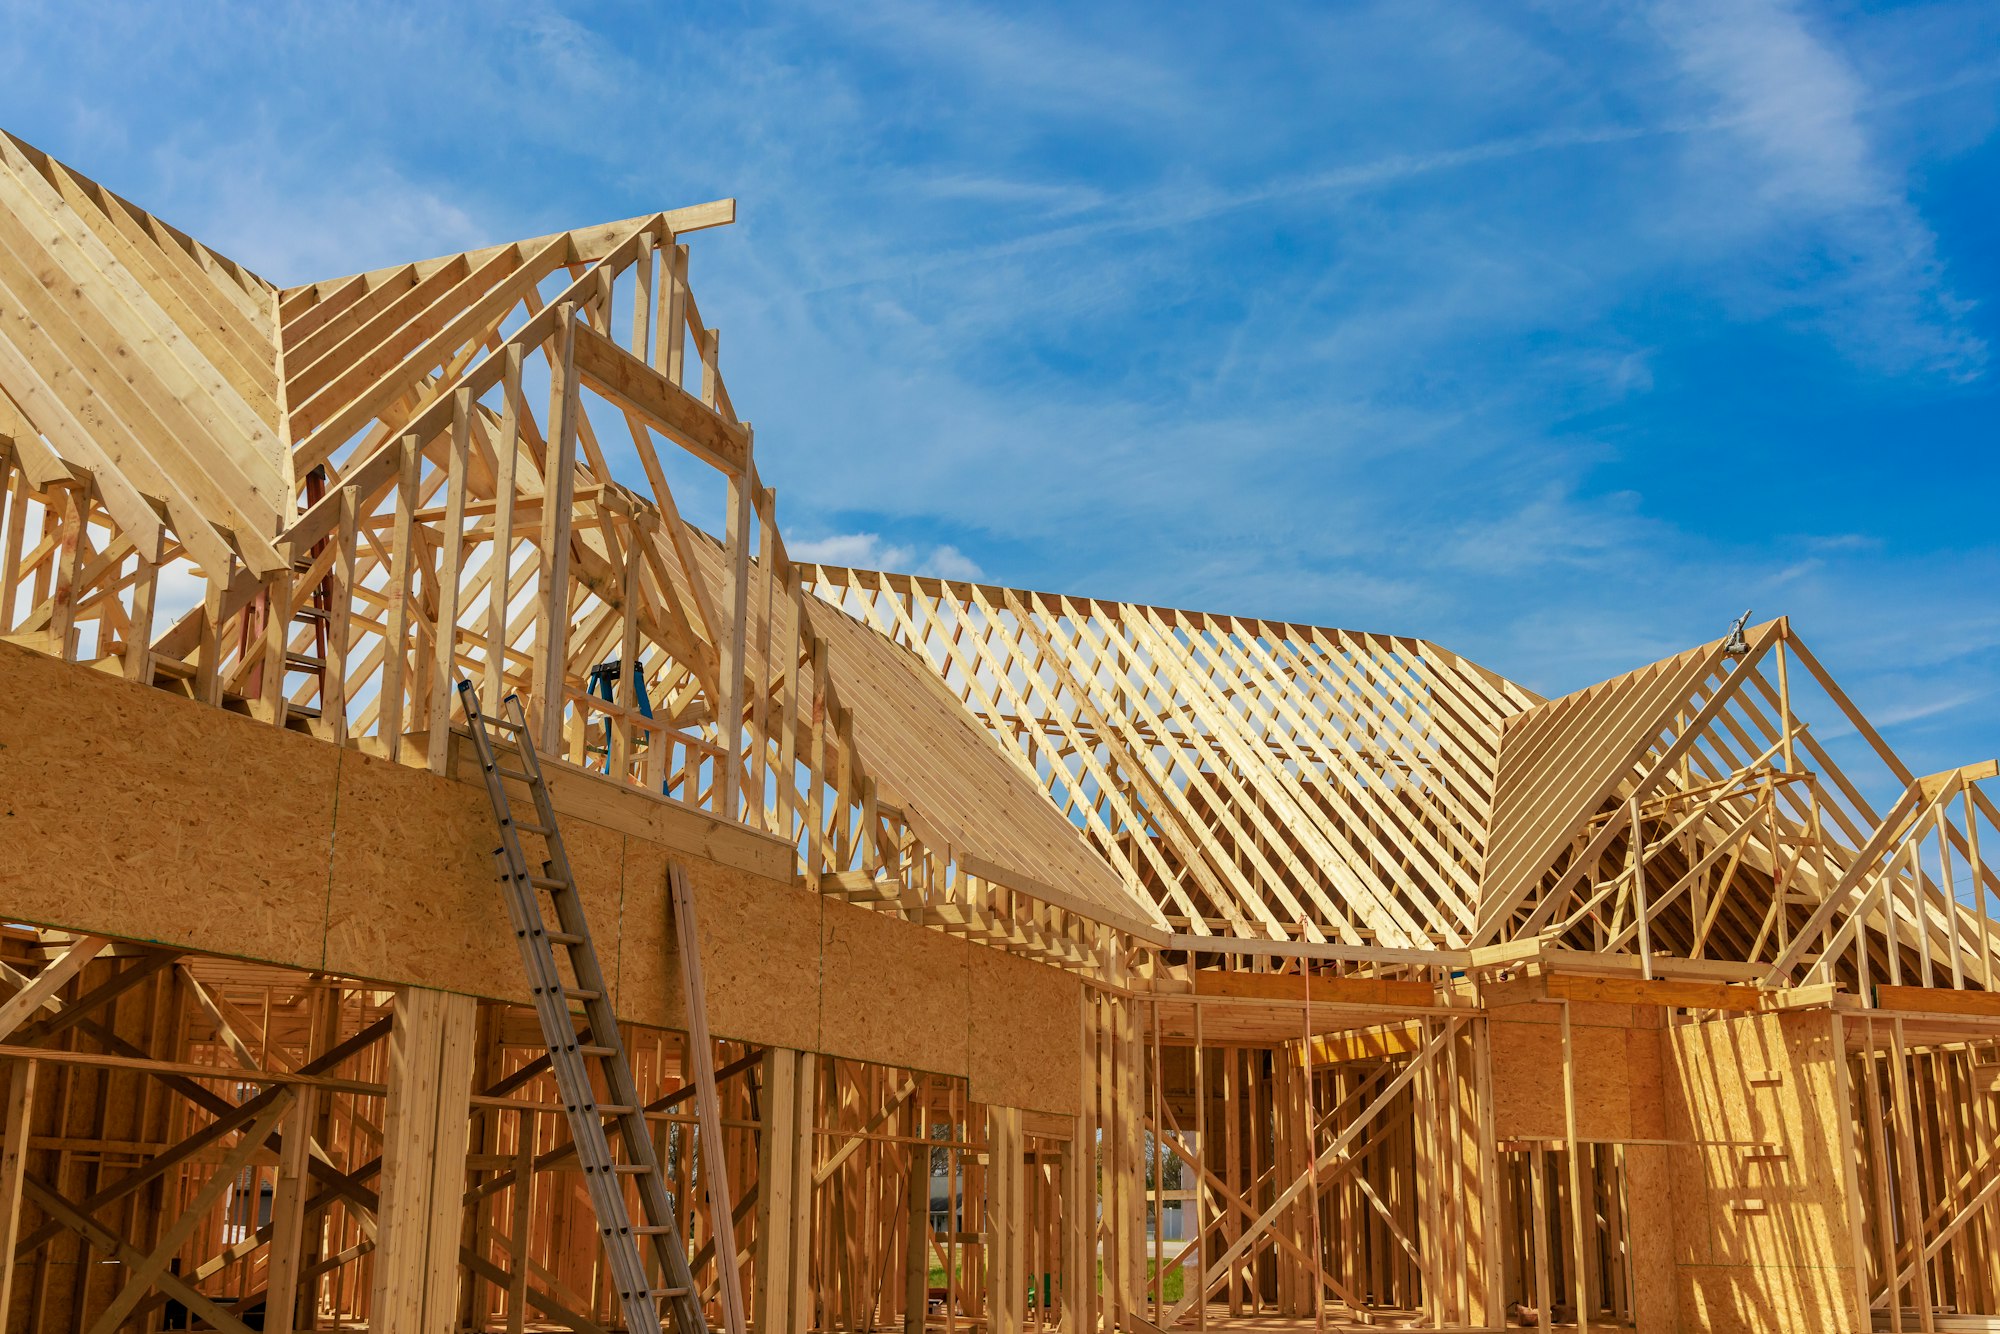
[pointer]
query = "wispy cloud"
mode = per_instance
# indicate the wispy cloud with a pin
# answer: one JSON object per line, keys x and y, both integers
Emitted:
{"x": 1005, "y": 54}
{"x": 1911, "y": 710}
{"x": 1557, "y": 335}
{"x": 368, "y": 217}
{"x": 1858, "y": 259}
{"x": 869, "y": 552}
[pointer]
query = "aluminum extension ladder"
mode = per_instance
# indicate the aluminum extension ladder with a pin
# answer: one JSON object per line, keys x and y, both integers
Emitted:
{"x": 572, "y": 1054}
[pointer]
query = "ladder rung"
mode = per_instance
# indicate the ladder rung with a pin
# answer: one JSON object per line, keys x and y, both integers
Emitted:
{"x": 495, "y": 743}
{"x": 305, "y": 660}
{"x": 312, "y": 614}
{"x": 590, "y": 1122}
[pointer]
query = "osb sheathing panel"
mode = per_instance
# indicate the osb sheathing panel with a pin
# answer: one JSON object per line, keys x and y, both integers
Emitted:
{"x": 1025, "y": 1034}
{"x": 142, "y": 815}
{"x": 623, "y": 809}
{"x": 418, "y": 907}
{"x": 649, "y": 975}
{"x": 97, "y": 831}
{"x": 760, "y": 955}
{"x": 1616, "y": 1073}
{"x": 759, "y": 952}
{"x": 893, "y": 992}
{"x": 1645, "y": 1075}
{"x": 1757, "y": 1300}
{"x": 1761, "y": 1243}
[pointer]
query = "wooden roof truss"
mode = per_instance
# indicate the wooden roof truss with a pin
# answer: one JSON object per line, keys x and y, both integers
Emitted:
{"x": 1263, "y": 780}
{"x": 1687, "y": 811}
{"x": 444, "y": 506}
{"x": 324, "y": 505}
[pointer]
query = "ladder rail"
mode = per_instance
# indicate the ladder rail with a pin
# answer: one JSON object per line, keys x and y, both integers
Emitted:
{"x": 570, "y": 1052}
{"x": 620, "y": 1083}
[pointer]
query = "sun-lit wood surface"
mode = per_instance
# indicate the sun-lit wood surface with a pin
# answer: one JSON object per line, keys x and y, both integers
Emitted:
{"x": 1035, "y": 926}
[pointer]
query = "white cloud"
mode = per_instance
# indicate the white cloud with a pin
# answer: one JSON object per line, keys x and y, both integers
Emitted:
{"x": 180, "y": 590}
{"x": 1062, "y": 70}
{"x": 1910, "y": 710}
{"x": 1793, "y": 156}
{"x": 369, "y": 218}
{"x": 1354, "y": 320}
{"x": 867, "y": 551}
{"x": 1850, "y": 542}
{"x": 1794, "y": 572}
{"x": 1548, "y": 529}
{"x": 948, "y": 562}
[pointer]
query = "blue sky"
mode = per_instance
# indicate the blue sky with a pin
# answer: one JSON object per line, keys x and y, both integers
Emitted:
{"x": 1557, "y": 333}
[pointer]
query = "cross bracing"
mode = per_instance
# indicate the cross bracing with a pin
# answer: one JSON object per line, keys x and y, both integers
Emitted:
{"x": 1428, "y": 984}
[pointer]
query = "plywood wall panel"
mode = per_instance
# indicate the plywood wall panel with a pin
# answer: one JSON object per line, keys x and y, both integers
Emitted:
{"x": 1650, "y": 1234}
{"x": 597, "y": 859}
{"x": 97, "y": 831}
{"x": 759, "y": 952}
{"x": 626, "y": 810}
{"x": 142, "y": 815}
{"x": 893, "y": 992}
{"x": 1527, "y": 1078}
{"x": 1528, "y": 1093}
{"x": 1763, "y": 1242}
{"x": 1024, "y": 1034}
{"x": 649, "y": 978}
{"x": 1645, "y": 1081}
{"x": 1603, "y": 1079}
{"x": 412, "y": 893}
{"x": 1774, "y": 1300}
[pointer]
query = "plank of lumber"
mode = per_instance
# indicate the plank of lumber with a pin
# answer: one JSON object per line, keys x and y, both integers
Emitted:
{"x": 1331, "y": 990}
{"x": 1938, "y": 1000}
{"x": 708, "y": 1105}
{"x": 1660, "y": 991}
{"x": 47, "y": 982}
{"x": 1367, "y": 1044}
{"x": 625, "y": 379}
{"x": 21, "y": 1081}
{"x": 589, "y": 244}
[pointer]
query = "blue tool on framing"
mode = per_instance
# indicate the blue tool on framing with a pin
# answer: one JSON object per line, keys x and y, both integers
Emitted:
{"x": 603, "y": 684}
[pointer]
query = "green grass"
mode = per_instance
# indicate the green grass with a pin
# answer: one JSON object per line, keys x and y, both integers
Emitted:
{"x": 1173, "y": 1285}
